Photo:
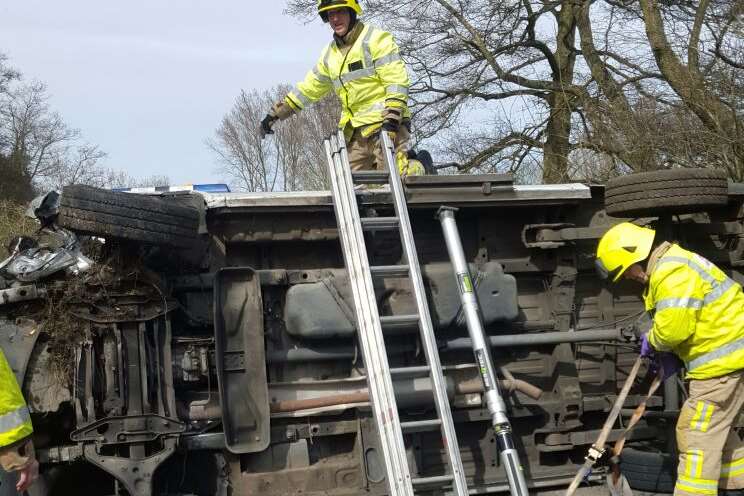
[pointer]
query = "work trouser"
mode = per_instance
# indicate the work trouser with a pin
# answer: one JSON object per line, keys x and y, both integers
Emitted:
{"x": 711, "y": 451}
{"x": 365, "y": 153}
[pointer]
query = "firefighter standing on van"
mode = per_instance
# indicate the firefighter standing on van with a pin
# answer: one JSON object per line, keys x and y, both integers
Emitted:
{"x": 16, "y": 448}
{"x": 698, "y": 315}
{"x": 363, "y": 65}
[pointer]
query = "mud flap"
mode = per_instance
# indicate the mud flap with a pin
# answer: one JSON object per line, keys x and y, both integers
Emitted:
{"x": 241, "y": 359}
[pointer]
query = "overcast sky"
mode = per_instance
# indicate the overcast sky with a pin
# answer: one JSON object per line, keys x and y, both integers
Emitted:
{"x": 148, "y": 81}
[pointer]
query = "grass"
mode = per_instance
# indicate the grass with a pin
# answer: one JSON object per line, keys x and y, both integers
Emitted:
{"x": 13, "y": 222}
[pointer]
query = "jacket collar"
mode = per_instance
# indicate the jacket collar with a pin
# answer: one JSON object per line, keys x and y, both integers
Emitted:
{"x": 656, "y": 255}
{"x": 349, "y": 38}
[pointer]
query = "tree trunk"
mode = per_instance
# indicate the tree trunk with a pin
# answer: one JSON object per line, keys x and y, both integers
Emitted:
{"x": 558, "y": 130}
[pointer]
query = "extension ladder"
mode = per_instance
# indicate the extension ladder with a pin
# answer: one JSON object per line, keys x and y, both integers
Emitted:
{"x": 370, "y": 323}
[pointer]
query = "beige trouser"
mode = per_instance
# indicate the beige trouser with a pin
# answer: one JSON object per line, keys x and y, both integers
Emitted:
{"x": 366, "y": 153}
{"x": 711, "y": 452}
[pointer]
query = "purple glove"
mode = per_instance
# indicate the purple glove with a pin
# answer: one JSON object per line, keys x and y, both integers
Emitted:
{"x": 647, "y": 351}
{"x": 670, "y": 364}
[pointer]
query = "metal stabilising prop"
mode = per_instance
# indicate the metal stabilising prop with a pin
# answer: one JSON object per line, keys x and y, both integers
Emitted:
{"x": 494, "y": 401}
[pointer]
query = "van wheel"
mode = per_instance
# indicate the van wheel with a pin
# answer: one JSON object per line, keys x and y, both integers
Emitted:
{"x": 671, "y": 191}
{"x": 649, "y": 471}
{"x": 131, "y": 216}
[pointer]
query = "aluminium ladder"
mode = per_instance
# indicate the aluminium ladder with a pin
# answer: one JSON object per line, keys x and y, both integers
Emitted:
{"x": 370, "y": 323}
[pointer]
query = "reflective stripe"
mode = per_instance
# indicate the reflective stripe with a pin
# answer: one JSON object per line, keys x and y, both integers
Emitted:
{"x": 328, "y": 55}
{"x": 365, "y": 48}
{"x": 697, "y": 485}
{"x": 305, "y": 101}
{"x": 396, "y": 88}
{"x": 718, "y": 288}
{"x": 691, "y": 264}
{"x": 375, "y": 107}
{"x": 715, "y": 354}
{"x": 321, "y": 77}
{"x": 703, "y": 413}
{"x": 732, "y": 469}
{"x": 694, "y": 464}
{"x": 695, "y": 303}
{"x": 358, "y": 74}
{"x": 387, "y": 59}
{"x": 14, "y": 420}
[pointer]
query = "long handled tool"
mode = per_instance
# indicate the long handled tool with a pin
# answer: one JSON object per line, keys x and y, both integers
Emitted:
{"x": 494, "y": 401}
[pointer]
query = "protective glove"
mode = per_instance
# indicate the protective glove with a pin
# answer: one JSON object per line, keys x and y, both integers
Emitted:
{"x": 390, "y": 126}
{"x": 669, "y": 363}
{"x": 647, "y": 351}
{"x": 266, "y": 125}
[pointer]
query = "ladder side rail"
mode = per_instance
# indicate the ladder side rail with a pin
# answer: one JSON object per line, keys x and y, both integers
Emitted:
{"x": 428, "y": 337}
{"x": 369, "y": 330}
{"x": 380, "y": 370}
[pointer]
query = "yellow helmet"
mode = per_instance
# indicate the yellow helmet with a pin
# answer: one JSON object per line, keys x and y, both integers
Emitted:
{"x": 325, "y": 5}
{"x": 622, "y": 246}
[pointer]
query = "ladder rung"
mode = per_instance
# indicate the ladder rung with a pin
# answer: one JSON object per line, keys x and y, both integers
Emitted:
{"x": 420, "y": 425}
{"x": 389, "y": 270}
{"x": 379, "y": 223}
{"x": 390, "y": 322}
{"x": 438, "y": 480}
{"x": 422, "y": 370}
{"x": 370, "y": 177}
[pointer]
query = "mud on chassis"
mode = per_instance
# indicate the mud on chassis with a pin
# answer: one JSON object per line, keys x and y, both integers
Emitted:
{"x": 144, "y": 421}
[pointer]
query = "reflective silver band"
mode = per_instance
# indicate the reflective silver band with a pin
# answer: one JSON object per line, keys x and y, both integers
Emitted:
{"x": 718, "y": 290}
{"x": 686, "y": 261}
{"x": 397, "y": 89}
{"x": 718, "y": 287}
{"x": 387, "y": 59}
{"x": 15, "y": 419}
{"x": 358, "y": 74}
{"x": 305, "y": 101}
{"x": 328, "y": 54}
{"x": 715, "y": 354}
{"x": 321, "y": 77}
{"x": 695, "y": 303}
{"x": 366, "y": 50}
{"x": 685, "y": 481}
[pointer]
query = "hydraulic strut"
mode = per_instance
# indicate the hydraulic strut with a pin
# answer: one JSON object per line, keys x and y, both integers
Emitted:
{"x": 494, "y": 401}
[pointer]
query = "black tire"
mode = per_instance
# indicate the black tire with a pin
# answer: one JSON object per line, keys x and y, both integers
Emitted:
{"x": 649, "y": 471}
{"x": 672, "y": 191}
{"x": 135, "y": 217}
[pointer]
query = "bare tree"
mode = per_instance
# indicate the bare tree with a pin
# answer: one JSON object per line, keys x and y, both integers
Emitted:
{"x": 538, "y": 87}
{"x": 40, "y": 149}
{"x": 291, "y": 159}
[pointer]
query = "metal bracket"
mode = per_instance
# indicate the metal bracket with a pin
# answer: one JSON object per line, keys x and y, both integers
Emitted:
{"x": 128, "y": 429}
{"x": 134, "y": 473}
{"x": 549, "y": 236}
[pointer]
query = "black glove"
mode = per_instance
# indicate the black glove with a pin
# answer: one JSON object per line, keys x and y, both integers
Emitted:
{"x": 390, "y": 125}
{"x": 266, "y": 124}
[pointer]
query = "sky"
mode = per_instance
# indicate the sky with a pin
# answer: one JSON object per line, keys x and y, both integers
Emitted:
{"x": 149, "y": 81}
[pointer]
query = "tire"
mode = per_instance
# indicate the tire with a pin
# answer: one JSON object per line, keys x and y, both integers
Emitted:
{"x": 134, "y": 217}
{"x": 672, "y": 191}
{"x": 649, "y": 471}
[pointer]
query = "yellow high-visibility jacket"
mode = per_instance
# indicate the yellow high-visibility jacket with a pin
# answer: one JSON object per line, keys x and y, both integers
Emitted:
{"x": 368, "y": 78}
{"x": 15, "y": 421}
{"x": 698, "y": 314}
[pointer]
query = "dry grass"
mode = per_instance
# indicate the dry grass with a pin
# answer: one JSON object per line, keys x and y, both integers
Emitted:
{"x": 13, "y": 222}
